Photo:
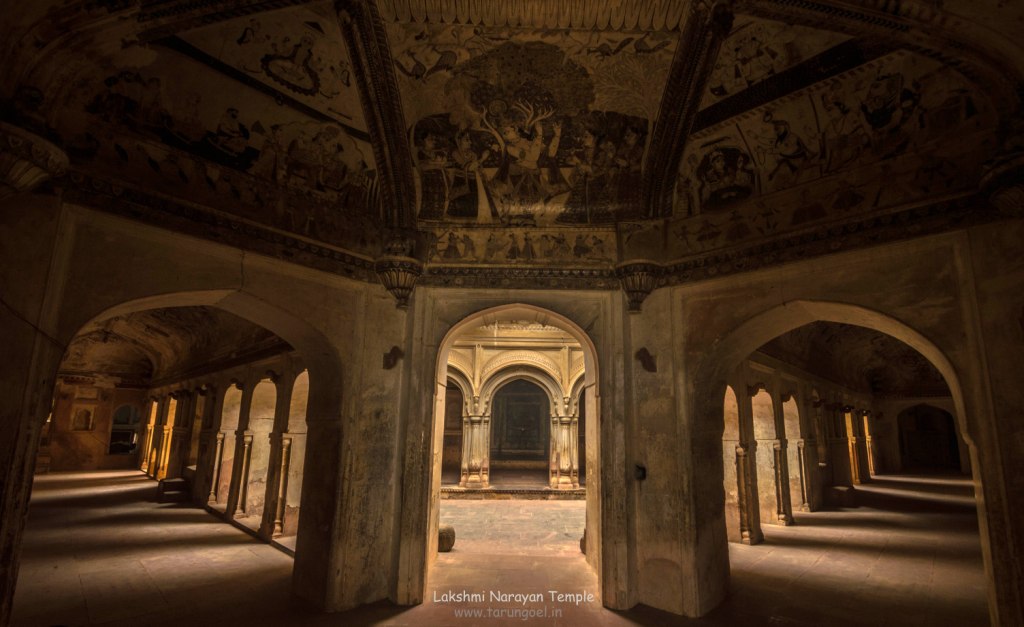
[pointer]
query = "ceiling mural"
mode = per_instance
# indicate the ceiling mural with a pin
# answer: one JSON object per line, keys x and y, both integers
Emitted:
{"x": 298, "y": 51}
{"x": 523, "y": 133}
{"x": 176, "y": 124}
{"x": 875, "y": 137}
{"x": 757, "y": 49}
{"x": 528, "y": 127}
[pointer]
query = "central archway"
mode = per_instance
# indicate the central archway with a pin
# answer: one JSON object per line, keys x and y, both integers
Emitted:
{"x": 581, "y": 386}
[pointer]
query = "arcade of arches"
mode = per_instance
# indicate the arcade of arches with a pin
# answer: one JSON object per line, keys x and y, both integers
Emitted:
{"x": 717, "y": 277}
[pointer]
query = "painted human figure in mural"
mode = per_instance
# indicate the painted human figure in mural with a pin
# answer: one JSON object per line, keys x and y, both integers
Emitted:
{"x": 588, "y": 182}
{"x": 231, "y": 136}
{"x": 466, "y": 184}
{"x": 845, "y": 137}
{"x": 521, "y": 171}
{"x": 626, "y": 177}
{"x": 725, "y": 176}
{"x": 889, "y": 108}
{"x": 431, "y": 161}
{"x": 791, "y": 155}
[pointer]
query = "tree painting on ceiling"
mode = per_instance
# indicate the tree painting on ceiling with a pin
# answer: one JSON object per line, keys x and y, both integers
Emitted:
{"x": 528, "y": 127}
{"x": 869, "y": 139}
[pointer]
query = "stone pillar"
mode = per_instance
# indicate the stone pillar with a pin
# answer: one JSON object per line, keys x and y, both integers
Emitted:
{"x": 785, "y": 508}
{"x": 575, "y": 458}
{"x": 746, "y": 471}
{"x": 801, "y": 449}
{"x": 243, "y": 476}
{"x": 476, "y": 451}
{"x": 282, "y": 485}
{"x": 864, "y": 446}
{"x": 561, "y": 474}
{"x": 851, "y": 444}
{"x": 215, "y": 475}
{"x": 750, "y": 531}
{"x": 177, "y": 446}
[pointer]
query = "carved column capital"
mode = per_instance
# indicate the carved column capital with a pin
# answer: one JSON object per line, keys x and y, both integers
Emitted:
{"x": 27, "y": 160}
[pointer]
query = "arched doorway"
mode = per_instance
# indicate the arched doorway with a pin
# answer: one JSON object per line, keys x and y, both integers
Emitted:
{"x": 843, "y": 421}
{"x": 311, "y": 573}
{"x": 563, "y": 404}
{"x": 928, "y": 439}
{"x": 520, "y": 430}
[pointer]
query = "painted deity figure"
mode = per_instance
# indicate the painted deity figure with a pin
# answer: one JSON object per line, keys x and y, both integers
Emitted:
{"x": 431, "y": 160}
{"x": 466, "y": 184}
{"x": 588, "y": 190}
{"x": 521, "y": 169}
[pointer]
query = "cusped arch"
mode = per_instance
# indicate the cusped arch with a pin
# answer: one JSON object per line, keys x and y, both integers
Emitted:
{"x": 522, "y": 372}
{"x": 521, "y": 311}
{"x": 465, "y": 386}
{"x": 516, "y": 358}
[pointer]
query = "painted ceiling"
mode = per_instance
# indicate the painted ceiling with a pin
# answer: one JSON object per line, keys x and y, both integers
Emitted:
{"x": 139, "y": 348}
{"x": 524, "y": 130}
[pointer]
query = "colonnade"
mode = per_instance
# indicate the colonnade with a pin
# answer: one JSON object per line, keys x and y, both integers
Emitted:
{"x": 789, "y": 444}
{"x": 245, "y": 428}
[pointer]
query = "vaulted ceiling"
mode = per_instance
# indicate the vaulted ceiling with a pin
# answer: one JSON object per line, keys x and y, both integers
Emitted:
{"x": 544, "y": 133}
{"x": 142, "y": 348}
{"x": 861, "y": 358}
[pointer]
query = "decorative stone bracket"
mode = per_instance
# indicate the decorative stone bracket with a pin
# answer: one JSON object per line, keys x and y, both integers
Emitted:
{"x": 638, "y": 279}
{"x": 27, "y": 160}
{"x": 398, "y": 275}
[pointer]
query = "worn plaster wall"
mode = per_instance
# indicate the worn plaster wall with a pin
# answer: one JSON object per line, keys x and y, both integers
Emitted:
{"x": 75, "y": 448}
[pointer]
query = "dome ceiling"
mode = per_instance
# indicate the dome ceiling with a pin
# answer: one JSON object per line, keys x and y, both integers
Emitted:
{"x": 140, "y": 348}
{"x": 545, "y": 133}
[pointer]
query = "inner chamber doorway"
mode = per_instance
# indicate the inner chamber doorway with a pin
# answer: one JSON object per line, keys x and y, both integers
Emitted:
{"x": 513, "y": 383}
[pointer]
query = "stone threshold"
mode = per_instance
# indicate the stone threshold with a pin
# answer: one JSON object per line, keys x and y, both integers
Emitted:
{"x": 492, "y": 493}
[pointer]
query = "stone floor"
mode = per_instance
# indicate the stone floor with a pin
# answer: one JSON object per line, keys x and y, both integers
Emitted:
{"x": 99, "y": 550}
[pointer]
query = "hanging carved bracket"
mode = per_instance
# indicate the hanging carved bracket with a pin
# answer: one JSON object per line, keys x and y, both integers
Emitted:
{"x": 398, "y": 274}
{"x": 26, "y": 160}
{"x": 638, "y": 280}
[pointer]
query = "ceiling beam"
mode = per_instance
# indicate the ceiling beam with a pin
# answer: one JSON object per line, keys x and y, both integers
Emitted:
{"x": 162, "y": 18}
{"x": 707, "y": 25}
{"x": 363, "y": 32}
{"x": 979, "y": 54}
